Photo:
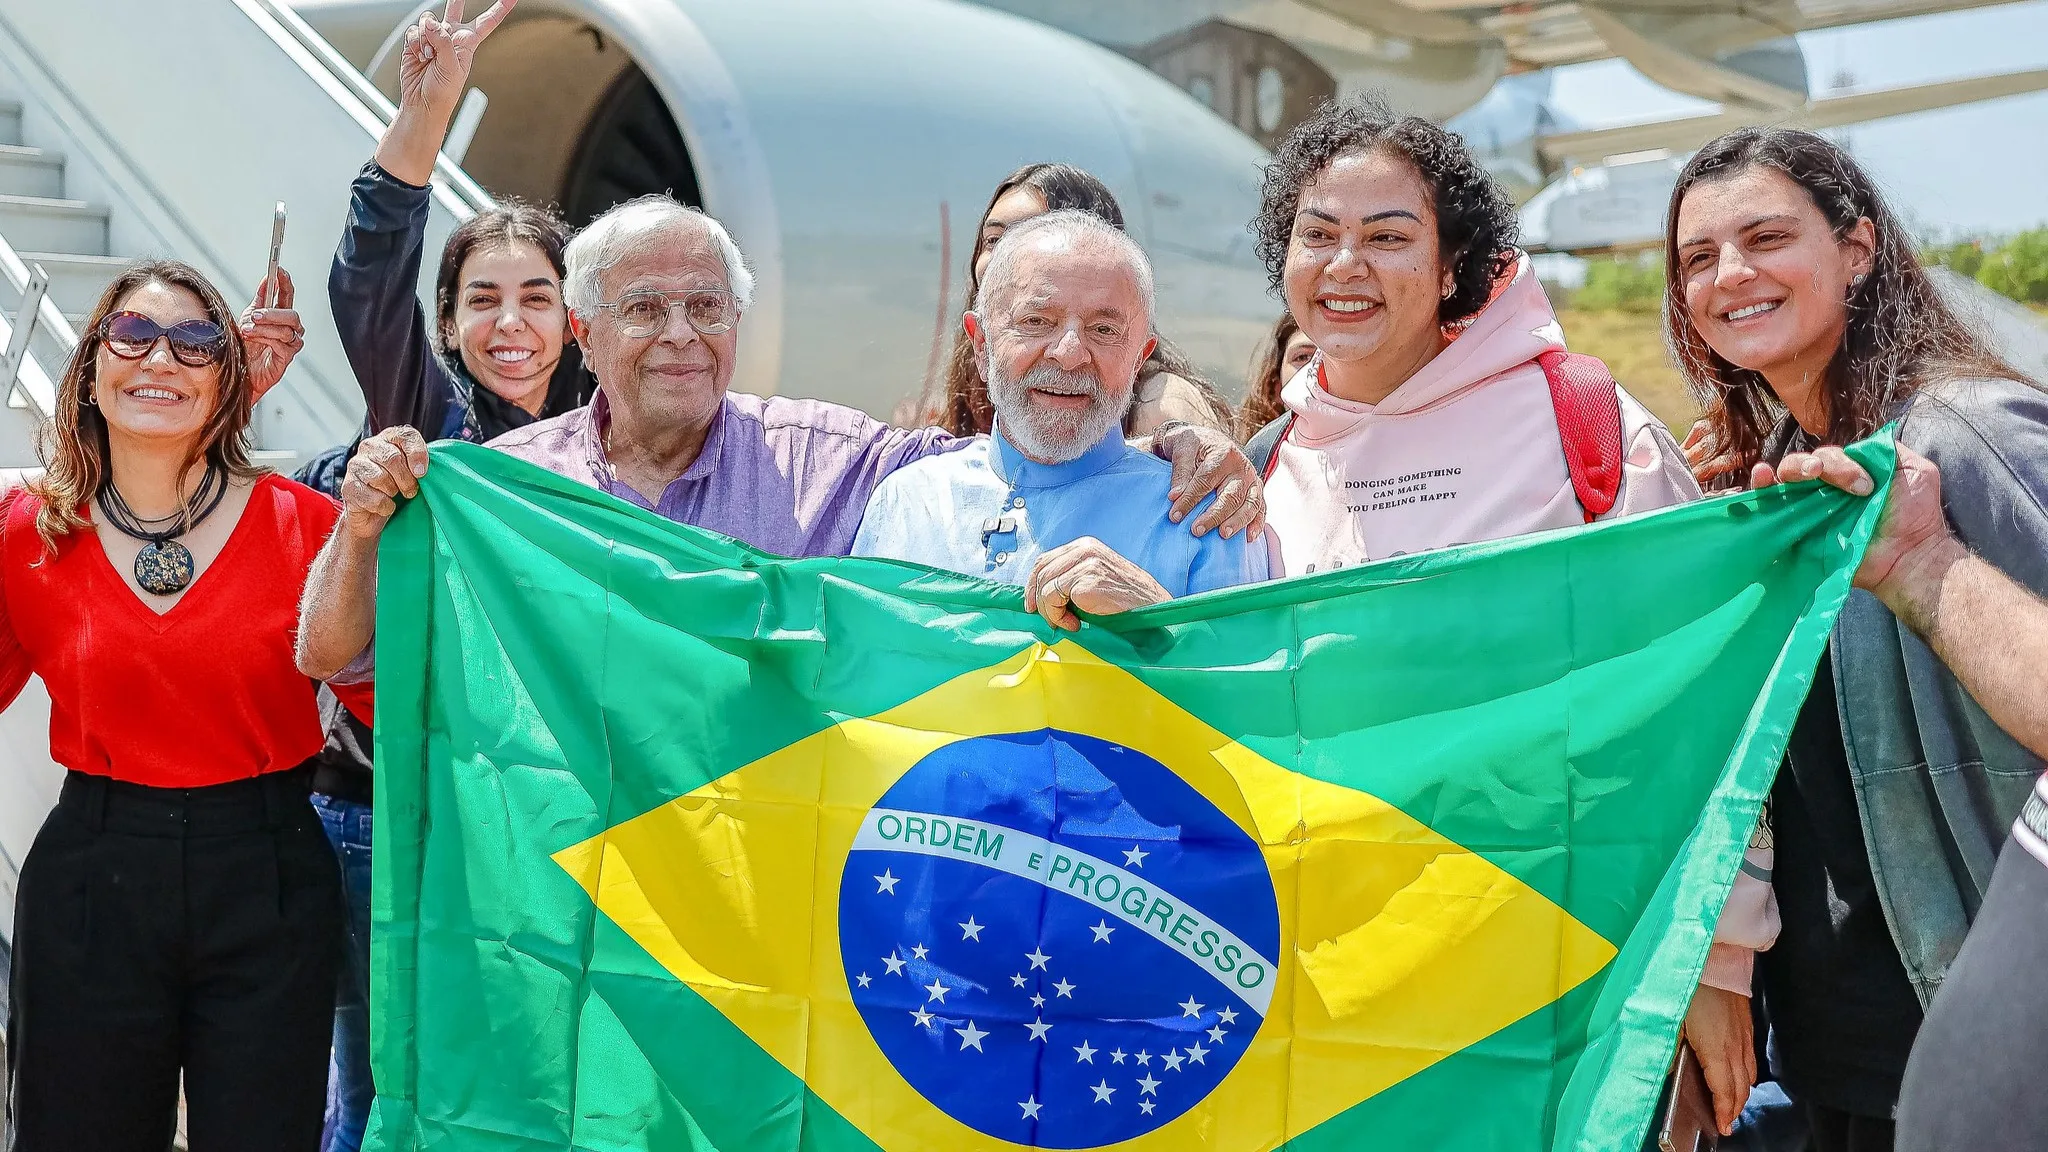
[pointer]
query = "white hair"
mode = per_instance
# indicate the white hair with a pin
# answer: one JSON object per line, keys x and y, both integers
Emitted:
{"x": 1068, "y": 228}
{"x": 607, "y": 240}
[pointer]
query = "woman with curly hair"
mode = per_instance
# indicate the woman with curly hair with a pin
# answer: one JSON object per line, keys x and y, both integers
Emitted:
{"x": 1426, "y": 418}
{"x": 1430, "y": 414}
{"x": 1801, "y": 317}
{"x": 1169, "y": 389}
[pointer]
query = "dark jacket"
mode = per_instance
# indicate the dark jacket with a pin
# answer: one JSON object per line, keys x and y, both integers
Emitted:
{"x": 373, "y": 291}
{"x": 1938, "y": 785}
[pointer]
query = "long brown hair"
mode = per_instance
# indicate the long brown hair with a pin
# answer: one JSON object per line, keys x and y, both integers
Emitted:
{"x": 965, "y": 409}
{"x": 1901, "y": 336}
{"x": 1269, "y": 374}
{"x": 73, "y": 444}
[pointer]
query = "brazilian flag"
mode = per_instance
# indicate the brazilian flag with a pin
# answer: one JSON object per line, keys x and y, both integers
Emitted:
{"x": 682, "y": 846}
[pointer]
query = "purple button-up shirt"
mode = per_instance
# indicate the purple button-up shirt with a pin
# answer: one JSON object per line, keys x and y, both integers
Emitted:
{"x": 787, "y": 476}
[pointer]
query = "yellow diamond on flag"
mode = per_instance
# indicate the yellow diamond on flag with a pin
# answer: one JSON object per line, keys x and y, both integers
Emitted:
{"x": 859, "y": 904}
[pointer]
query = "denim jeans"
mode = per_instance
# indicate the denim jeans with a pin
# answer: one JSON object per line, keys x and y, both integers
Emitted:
{"x": 348, "y": 1079}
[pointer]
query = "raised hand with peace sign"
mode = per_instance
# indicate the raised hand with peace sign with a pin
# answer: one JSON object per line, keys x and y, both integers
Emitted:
{"x": 432, "y": 74}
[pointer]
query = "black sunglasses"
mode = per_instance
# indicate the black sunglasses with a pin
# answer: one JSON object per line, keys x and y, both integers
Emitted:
{"x": 196, "y": 343}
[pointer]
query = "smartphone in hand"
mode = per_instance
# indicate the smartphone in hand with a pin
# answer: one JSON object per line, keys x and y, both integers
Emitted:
{"x": 270, "y": 284}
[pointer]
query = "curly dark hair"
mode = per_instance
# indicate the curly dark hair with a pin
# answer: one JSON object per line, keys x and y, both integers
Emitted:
{"x": 1475, "y": 220}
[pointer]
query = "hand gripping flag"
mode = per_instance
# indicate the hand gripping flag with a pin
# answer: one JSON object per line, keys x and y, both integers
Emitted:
{"x": 682, "y": 846}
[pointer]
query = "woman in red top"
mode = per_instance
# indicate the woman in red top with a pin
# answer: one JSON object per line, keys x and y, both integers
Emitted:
{"x": 181, "y": 908}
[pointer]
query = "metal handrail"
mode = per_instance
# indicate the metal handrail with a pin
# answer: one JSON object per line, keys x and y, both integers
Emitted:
{"x": 461, "y": 195}
{"x": 34, "y": 384}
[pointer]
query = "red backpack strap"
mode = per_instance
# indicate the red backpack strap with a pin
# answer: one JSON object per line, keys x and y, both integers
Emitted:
{"x": 1588, "y": 407}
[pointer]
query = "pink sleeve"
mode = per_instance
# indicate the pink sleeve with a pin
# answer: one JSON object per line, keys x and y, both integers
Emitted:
{"x": 1749, "y": 920}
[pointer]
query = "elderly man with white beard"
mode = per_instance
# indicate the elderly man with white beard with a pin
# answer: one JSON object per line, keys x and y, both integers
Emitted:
{"x": 1055, "y": 499}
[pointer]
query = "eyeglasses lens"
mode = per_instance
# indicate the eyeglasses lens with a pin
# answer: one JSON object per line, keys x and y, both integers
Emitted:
{"x": 643, "y": 314}
{"x": 195, "y": 343}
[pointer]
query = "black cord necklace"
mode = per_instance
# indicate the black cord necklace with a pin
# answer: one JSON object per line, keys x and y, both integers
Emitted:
{"x": 164, "y": 566}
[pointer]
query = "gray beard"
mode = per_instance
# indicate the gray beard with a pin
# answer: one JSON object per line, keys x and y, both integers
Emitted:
{"x": 1053, "y": 437}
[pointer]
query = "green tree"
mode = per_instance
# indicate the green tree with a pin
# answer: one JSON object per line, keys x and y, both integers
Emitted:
{"x": 1963, "y": 257}
{"x": 1618, "y": 284}
{"x": 2019, "y": 268}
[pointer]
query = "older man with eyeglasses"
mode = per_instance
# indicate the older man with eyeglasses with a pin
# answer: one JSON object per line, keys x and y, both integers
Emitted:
{"x": 656, "y": 292}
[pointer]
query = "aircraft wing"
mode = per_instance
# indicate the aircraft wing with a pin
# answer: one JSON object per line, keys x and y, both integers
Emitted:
{"x": 1687, "y": 133}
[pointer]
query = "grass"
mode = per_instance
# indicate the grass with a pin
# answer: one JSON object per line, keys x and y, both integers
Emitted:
{"x": 1632, "y": 344}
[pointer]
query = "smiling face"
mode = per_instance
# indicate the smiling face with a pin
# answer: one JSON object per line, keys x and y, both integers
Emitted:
{"x": 509, "y": 321}
{"x": 1364, "y": 277}
{"x": 1765, "y": 278}
{"x": 674, "y": 379}
{"x": 1062, "y": 344}
{"x": 156, "y": 398}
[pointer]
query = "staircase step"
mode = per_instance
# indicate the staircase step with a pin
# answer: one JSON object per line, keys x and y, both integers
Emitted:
{"x": 76, "y": 281}
{"x": 10, "y": 122}
{"x": 31, "y": 171}
{"x": 45, "y": 223}
{"x": 17, "y": 438}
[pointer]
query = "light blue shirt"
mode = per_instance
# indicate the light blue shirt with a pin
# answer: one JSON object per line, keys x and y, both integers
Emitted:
{"x": 986, "y": 510}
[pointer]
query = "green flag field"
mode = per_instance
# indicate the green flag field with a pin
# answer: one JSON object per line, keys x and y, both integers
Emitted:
{"x": 685, "y": 847}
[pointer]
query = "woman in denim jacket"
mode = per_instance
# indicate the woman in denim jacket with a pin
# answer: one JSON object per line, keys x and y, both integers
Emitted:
{"x": 1801, "y": 316}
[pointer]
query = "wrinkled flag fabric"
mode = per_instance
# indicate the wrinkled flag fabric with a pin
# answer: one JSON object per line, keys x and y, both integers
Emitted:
{"x": 682, "y": 846}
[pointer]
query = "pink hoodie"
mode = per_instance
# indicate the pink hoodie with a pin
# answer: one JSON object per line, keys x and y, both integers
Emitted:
{"x": 1464, "y": 451}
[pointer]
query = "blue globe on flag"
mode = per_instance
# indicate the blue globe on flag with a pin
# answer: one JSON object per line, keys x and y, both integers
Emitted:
{"x": 1055, "y": 939}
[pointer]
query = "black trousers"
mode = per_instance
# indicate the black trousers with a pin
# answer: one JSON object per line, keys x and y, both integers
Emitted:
{"x": 160, "y": 930}
{"x": 1975, "y": 1079}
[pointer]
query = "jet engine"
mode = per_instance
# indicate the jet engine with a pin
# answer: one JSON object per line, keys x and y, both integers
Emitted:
{"x": 851, "y": 148}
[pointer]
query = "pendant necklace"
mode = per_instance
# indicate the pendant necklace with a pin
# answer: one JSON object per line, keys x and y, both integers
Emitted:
{"x": 164, "y": 566}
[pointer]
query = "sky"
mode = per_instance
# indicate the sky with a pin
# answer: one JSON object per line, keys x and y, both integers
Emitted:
{"x": 1971, "y": 169}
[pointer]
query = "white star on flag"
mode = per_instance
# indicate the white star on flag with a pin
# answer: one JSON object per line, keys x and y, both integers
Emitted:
{"x": 1187, "y": 1007}
{"x": 1144, "y": 1058}
{"x": 1030, "y": 1108}
{"x": 1172, "y": 1061}
{"x": 970, "y": 1037}
{"x": 923, "y": 1018}
{"x": 1038, "y": 1029}
{"x": 971, "y": 930}
{"x": 1136, "y": 856}
{"x": 1145, "y": 1106}
{"x": 920, "y": 952}
{"x": 1065, "y": 989}
{"x": 1037, "y": 1001}
{"x": 886, "y": 882}
{"x": 938, "y": 991}
{"x": 1084, "y": 1054}
{"x": 1017, "y": 980}
{"x": 1149, "y": 1086}
{"x": 1196, "y": 1053}
{"x": 864, "y": 980}
{"x": 1216, "y": 1035}
{"x": 1103, "y": 1092}
{"x": 895, "y": 964}
{"x": 1037, "y": 958}
{"x": 1116, "y": 1057}
{"x": 1102, "y": 931}
{"x": 1228, "y": 1016}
